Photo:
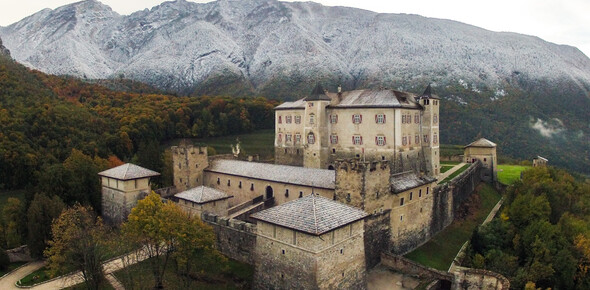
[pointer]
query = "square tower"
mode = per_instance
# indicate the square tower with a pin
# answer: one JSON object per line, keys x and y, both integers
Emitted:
{"x": 310, "y": 243}
{"x": 188, "y": 163}
{"x": 429, "y": 130}
{"x": 315, "y": 129}
{"x": 483, "y": 150}
{"x": 122, "y": 187}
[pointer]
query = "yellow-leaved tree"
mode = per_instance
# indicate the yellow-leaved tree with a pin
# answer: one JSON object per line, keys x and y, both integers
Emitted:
{"x": 163, "y": 231}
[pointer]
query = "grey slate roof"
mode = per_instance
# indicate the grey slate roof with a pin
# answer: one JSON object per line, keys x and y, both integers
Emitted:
{"x": 482, "y": 142}
{"x": 202, "y": 194}
{"x": 363, "y": 99}
{"x": 542, "y": 158}
{"x": 311, "y": 214}
{"x": 403, "y": 181}
{"x": 128, "y": 171}
{"x": 321, "y": 178}
{"x": 318, "y": 94}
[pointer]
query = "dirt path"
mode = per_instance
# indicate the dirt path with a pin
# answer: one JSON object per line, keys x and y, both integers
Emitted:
{"x": 9, "y": 280}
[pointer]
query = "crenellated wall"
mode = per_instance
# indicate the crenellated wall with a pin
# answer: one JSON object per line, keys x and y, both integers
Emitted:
{"x": 234, "y": 238}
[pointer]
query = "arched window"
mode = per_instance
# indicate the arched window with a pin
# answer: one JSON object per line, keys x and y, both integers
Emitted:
{"x": 310, "y": 138}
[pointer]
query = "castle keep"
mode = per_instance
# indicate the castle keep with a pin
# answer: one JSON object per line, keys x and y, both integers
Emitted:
{"x": 369, "y": 124}
{"x": 355, "y": 175}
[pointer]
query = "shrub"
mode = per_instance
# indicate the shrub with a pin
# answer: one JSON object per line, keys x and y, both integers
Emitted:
{"x": 4, "y": 260}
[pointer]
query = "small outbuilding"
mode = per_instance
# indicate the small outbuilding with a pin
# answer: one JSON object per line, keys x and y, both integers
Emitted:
{"x": 122, "y": 187}
{"x": 201, "y": 199}
{"x": 483, "y": 150}
{"x": 539, "y": 161}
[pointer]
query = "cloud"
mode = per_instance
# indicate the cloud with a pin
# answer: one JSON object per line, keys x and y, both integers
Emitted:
{"x": 548, "y": 128}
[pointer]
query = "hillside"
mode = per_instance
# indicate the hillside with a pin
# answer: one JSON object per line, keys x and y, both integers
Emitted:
{"x": 528, "y": 95}
{"x": 45, "y": 119}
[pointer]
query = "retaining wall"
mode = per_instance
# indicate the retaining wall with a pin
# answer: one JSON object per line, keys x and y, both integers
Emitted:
{"x": 234, "y": 238}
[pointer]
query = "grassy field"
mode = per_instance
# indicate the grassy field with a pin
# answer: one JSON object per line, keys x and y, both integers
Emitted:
{"x": 449, "y": 162}
{"x": 5, "y": 195}
{"x": 454, "y": 174}
{"x": 236, "y": 276}
{"x": 259, "y": 142}
{"x": 11, "y": 267}
{"x": 36, "y": 277}
{"x": 439, "y": 252}
{"x": 445, "y": 168}
{"x": 509, "y": 174}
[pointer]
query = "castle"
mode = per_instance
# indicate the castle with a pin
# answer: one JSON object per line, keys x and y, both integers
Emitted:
{"x": 343, "y": 190}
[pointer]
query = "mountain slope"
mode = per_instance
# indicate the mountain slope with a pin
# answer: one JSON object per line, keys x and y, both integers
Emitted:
{"x": 528, "y": 95}
{"x": 178, "y": 45}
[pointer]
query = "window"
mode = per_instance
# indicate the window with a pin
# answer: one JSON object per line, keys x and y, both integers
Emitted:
{"x": 427, "y": 189}
{"x": 401, "y": 201}
{"x": 311, "y": 118}
{"x": 240, "y": 185}
{"x": 310, "y": 138}
{"x": 297, "y": 119}
{"x": 435, "y": 119}
{"x": 297, "y": 138}
{"x": 280, "y": 119}
{"x": 380, "y": 118}
{"x": 280, "y": 138}
{"x": 136, "y": 182}
{"x": 409, "y": 140}
{"x": 404, "y": 141}
{"x": 357, "y": 118}
{"x": 357, "y": 140}
{"x": 380, "y": 140}
{"x": 288, "y": 119}
{"x": 409, "y": 119}
{"x": 401, "y": 218}
{"x": 333, "y": 139}
{"x": 288, "y": 138}
{"x": 420, "y": 193}
{"x": 228, "y": 182}
{"x": 411, "y": 194}
{"x": 294, "y": 238}
{"x": 218, "y": 181}
{"x": 425, "y": 138}
{"x": 286, "y": 193}
{"x": 417, "y": 139}
{"x": 333, "y": 119}
{"x": 403, "y": 119}
{"x": 301, "y": 194}
{"x": 435, "y": 139}
{"x": 252, "y": 186}
{"x": 416, "y": 118}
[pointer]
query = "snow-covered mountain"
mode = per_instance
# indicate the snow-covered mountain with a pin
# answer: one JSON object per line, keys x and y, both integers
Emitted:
{"x": 263, "y": 43}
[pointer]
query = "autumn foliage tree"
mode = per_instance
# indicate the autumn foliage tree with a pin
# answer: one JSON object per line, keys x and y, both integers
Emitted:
{"x": 163, "y": 231}
{"x": 79, "y": 242}
{"x": 40, "y": 215}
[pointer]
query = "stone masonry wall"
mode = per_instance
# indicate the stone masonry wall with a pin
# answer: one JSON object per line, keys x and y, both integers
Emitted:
{"x": 235, "y": 239}
{"x": 377, "y": 237}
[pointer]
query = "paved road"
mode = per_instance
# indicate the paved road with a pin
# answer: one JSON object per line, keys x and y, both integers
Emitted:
{"x": 8, "y": 281}
{"x": 69, "y": 280}
{"x": 442, "y": 176}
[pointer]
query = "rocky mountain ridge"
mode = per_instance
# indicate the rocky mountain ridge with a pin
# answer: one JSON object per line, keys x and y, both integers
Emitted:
{"x": 185, "y": 46}
{"x": 4, "y": 50}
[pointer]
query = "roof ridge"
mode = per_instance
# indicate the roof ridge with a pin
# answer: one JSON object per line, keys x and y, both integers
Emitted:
{"x": 315, "y": 218}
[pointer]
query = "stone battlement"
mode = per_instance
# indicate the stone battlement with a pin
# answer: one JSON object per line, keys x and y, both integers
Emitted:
{"x": 230, "y": 223}
{"x": 355, "y": 164}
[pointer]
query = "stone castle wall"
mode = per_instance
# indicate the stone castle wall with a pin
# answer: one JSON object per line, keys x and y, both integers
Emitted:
{"x": 234, "y": 238}
{"x": 377, "y": 237}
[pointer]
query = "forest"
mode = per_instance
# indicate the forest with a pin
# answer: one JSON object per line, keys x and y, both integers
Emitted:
{"x": 542, "y": 237}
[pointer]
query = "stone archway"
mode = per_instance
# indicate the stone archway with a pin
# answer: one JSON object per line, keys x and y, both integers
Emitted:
{"x": 269, "y": 192}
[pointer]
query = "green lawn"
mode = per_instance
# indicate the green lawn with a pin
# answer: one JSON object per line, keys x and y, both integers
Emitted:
{"x": 259, "y": 142}
{"x": 509, "y": 174}
{"x": 36, "y": 277}
{"x": 440, "y": 251}
{"x": 454, "y": 174}
{"x": 449, "y": 162}
{"x": 236, "y": 276}
{"x": 11, "y": 267}
{"x": 445, "y": 168}
{"x": 6, "y": 194}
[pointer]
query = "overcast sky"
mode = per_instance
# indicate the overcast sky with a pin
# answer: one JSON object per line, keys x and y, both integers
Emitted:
{"x": 558, "y": 21}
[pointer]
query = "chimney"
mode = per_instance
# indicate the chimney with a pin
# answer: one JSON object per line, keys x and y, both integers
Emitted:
{"x": 339, "y": 93}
